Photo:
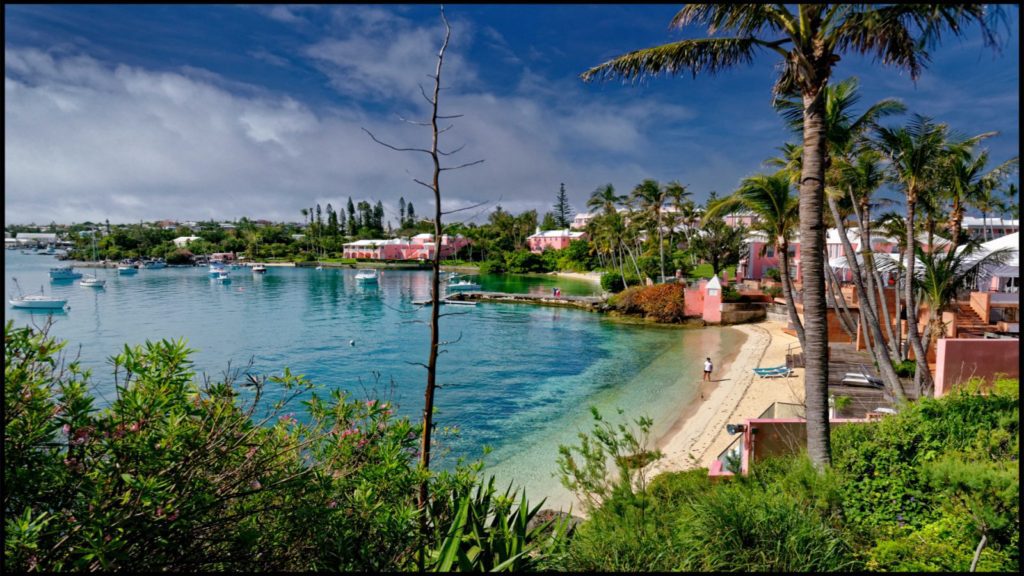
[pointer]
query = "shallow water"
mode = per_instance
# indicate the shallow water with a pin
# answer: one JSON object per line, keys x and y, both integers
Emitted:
{"x": 518, "y": 378}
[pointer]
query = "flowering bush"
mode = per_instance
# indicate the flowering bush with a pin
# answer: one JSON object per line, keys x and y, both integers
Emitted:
{"x": 661, "y": 302}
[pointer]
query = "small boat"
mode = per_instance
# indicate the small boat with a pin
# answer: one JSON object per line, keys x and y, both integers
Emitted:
{"x": 36, "y": 301}
{"x": 216, "y": 268}
{"x": 259, "y": 269}
{"x": 367, "y": 276}
{"x": 319, "y": 267}
{"x": 92, "y": 282}
{"x": 222, "y": 277}
{"x": 64, "y": 273}
{"x": 451, "y": 302}
{"x": 463, "y": 286}
{"x": 154, "y": 264}
{"x": 126, "y": 268}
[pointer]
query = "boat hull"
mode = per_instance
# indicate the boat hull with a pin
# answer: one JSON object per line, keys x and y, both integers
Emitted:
{"x": 37, "y": 304}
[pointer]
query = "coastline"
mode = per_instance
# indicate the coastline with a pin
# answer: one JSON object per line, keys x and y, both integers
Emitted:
{"x": 698, "y": 436}
{"x": 594, "y": 277}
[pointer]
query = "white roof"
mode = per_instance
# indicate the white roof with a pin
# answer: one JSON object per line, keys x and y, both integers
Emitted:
{"x": 565, "y": 233}
{"x": 977, "y": 221}
{"x": 1011, "y": 241}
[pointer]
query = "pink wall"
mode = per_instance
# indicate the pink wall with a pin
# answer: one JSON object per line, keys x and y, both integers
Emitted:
{"x": 694, "y": 299}
{"x": 713, "y": 307}
{"x": 957, "y": 360}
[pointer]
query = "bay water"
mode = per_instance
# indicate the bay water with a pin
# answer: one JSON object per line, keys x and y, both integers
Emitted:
{"x": 517, "y": 378}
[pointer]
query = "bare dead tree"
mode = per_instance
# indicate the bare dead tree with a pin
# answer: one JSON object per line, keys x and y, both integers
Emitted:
{"x": 434, "y": 186}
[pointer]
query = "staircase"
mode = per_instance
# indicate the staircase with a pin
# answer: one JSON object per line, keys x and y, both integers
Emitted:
{"x": 968, "y": 323}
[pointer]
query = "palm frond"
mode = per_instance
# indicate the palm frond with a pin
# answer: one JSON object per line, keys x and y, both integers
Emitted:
{"x": 709, "y": 55}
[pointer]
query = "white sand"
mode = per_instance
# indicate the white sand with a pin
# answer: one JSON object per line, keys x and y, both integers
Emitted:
{"x": 594, "y": 277}
{"x": 699, "y": 437}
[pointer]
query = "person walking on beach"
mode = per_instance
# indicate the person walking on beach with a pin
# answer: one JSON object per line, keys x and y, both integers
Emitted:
{"x": 707, "y": 369}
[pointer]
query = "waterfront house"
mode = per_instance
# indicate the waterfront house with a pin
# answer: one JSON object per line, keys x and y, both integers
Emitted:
{"x": 419, "y": 247}
{"x": 36, "y": 238}
{"x": 989, "y": 228}
{"x": 553, "y": 239}
{"x": 183, "y": 241}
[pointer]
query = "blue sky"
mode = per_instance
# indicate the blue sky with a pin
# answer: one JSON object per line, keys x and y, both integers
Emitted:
{"x": 193, "y": 112}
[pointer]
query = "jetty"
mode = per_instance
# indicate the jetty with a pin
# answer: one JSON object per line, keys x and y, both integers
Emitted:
{"x": 590, "y": 303}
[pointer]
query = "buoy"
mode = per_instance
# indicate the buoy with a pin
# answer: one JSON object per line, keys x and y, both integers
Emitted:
{"x": 351, "y": 342}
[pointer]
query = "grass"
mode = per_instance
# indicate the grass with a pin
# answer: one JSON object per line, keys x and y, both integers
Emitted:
{"x": 705, "y": 271}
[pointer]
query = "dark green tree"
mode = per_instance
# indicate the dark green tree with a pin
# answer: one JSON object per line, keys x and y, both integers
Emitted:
{"x": 562, "y": 209}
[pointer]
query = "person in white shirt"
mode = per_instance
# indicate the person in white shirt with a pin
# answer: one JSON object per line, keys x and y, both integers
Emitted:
{"x": 707, "y": 369}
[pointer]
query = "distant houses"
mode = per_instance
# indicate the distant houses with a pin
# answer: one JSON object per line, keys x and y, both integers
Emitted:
{"x": 419, "y": 247}
{"x": 553, "y": 239}
{"x": 183, "y": 241}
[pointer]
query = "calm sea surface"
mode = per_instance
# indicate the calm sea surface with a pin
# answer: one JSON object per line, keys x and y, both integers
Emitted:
{"x": 517, "y": 378}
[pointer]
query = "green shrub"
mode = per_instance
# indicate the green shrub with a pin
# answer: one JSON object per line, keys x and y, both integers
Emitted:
{"x": 772, "y": 291}
{"x": 773, "y": 274}
{"x": 492, "y": 267}
{"x": 905, "y": 368}
{"x": 612, "y": 281}
{"x": 187, "y": 474}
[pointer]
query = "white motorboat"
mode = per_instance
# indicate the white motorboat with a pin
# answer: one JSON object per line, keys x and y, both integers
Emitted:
{"x": 223, "y": 277}
{"x": 92, "y": 282}
{"x": 216, "y": 268}
{"x": 127, "y": 268}
{"x": 463, "y": 286}
{"x": 367, "y": 276}
{"x": 259, "y": 269}
{"x": 64, "y": 273}
{"x": 155, "y": 264}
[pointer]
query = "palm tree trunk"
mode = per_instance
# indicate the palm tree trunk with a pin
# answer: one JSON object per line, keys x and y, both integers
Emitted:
{"x": 874, "y": 278}
{"x": 812, "y": 239}
{"x": 872, "y": 331}
{"x": 897, "y": 323}
{"x": 921, "y": 375}
{"x": 661, "y": 248}
{"x": 834, "y": 294}
{"x": 787, "y": 291}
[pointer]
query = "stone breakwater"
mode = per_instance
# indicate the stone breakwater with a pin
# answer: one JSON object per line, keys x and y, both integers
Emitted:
{"x": 590, "y": 303}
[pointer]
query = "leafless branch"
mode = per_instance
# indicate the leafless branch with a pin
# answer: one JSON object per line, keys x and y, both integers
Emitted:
{"x": 466, "y": 165}
{"x": 427, "y": 98}
{"x": 418, "y": 364}
{"x": 477, "y": 205}
{"x": 443, "y": 130}
{"x": 386, "y": 145}
{"x": 452, "y": 117}
{"x": 456, "y": 151}
{"x": 422, "y": 183}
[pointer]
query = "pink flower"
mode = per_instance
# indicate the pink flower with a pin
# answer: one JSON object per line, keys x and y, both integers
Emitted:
{"x": 332, "y": 504}
{"x": 173, "y": 516}
{"x": 160, "y": 511}
{"x": 371, "y": 403}
{"x": 134, "y": 427}
{"x": 255, "y": 485}
{"x": 66, "y": 428}
{"x": 349, "y": 432}
{"x": 362, "y": 442}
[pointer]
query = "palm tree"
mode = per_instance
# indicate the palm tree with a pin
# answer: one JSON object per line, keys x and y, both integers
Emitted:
{"x": 946, "y": 274}
{"x": 916, "y": 154}
{"x": 810, "y": 41}
{"x": 651, "y": 198}
{"x": 968, "y": 181}
{"x": 777, "y": 209}
{"x": 844, "y": 133}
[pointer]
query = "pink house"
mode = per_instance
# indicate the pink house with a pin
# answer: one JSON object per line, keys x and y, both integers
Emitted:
{"x": 761, "y": 256}
{"x": 553, "y": 239}
{"x": 419, "y": 247}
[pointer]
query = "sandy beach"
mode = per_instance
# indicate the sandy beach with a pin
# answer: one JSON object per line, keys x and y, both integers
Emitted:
{"x": 734, "y": 393}
{"x": 594, "y": 277}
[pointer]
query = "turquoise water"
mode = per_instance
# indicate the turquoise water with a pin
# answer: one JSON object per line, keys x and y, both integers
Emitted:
{"x": 517, "y": 378}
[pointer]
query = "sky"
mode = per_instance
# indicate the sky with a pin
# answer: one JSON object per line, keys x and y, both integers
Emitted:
{"x": 198, "y": 112}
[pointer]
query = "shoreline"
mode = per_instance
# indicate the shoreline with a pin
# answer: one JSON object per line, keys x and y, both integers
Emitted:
{"x": 698, "y": 435}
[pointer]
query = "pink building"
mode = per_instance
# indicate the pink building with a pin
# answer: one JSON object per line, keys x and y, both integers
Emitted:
{"x": 747, "y": 219}
{"x": 761, "y": 256}
{"x": 553, "y": 240}
{"x": 419, "y": 247}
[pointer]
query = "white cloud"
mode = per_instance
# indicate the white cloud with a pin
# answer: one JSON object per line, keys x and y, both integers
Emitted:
{"x": 90, "y": 140}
